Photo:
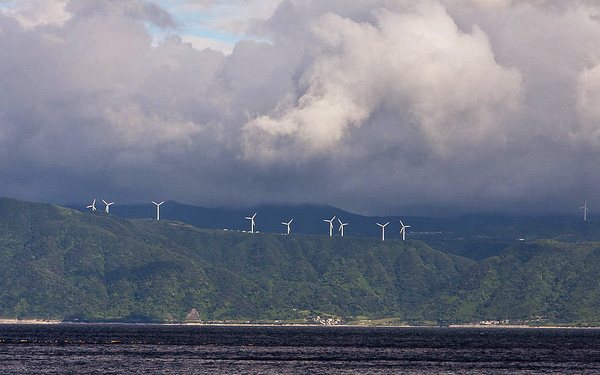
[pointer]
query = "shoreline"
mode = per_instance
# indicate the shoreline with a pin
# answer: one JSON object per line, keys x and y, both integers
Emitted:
{"x": 30, "y": 321}
{"x": 196, "y": 324}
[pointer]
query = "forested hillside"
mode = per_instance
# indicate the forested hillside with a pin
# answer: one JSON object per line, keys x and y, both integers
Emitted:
{"x": 58, "y": 263}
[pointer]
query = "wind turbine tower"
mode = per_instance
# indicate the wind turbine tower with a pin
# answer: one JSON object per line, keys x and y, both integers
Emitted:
{"x": 251, "y": 218}
{"x": 288, "y": 225}
{"x": 330, "y": 225}
{"x": 158, "y": 209}
{"x": 383, "y": 230}
{"x": 585, "y": 210}
{"x": 403, "y": 230}
{"x": 107, "y": 205}
{"x": 342, "y": 225}
{"x": 92, "y": 206}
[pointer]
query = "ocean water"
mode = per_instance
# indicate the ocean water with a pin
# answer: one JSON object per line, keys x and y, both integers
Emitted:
{"x": 161, "y": 349}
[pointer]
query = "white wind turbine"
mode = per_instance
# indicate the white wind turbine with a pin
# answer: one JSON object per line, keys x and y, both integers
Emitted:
{"x": 383, "y": 230}
{"x": 403, "y": 230}
{"x": 158, "y": 209}
{"x": 585, "y": 210}
{"x": 330, "y": 225}
{"x": 92, "y": 206}
{"x": 107, "y": 205}
{"x": 251, "y": 218}
{"x": 342, "y": 225}
{"x": 288, "y": 225}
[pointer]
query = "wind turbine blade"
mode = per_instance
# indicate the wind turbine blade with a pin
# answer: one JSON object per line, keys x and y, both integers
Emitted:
{"x": 161, "y": 203}
{"x": 253, "y": 216}
{"x": 155, "y": 203}
{"x": 333, "y": 218}
{"x": 104, "y": 201}
{"x": 401, "y": 222}
{"x": 339, "y": 220}
{"x": 386, "y": 224}
{"x": 291, "y": 221}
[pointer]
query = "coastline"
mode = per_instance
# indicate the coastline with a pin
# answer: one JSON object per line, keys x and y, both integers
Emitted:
{"x": 270, "y": 325}
{"x": 30, "y": 321}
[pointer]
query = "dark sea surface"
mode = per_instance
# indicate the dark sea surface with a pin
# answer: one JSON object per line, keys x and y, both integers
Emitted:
{"x": 160, "y": 349}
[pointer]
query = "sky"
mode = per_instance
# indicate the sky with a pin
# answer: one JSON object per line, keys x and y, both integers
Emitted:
{"x": 380, "y": 107}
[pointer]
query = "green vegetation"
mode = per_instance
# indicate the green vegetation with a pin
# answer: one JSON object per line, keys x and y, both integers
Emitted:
{"x": 57, "y": 263}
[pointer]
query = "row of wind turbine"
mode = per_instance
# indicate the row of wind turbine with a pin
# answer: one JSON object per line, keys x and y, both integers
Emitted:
{"x": 107, "y": 205}
{"x": 402, "y": 230}
{"x": 330, "y": 221}
{"x": 288, "y": 224}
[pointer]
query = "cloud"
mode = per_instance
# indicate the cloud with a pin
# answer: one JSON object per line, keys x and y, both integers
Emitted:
{"x": 418, "y": 63}
{"x": 235, "y": 17}
{"x": 200, "y": 43}
{"x": 39, "y": 12}
{"x": 495, "y": 4}
{"x": 373, "y": 106}
{"x": 135, "y": 9}
{"x": 588, "y": 96}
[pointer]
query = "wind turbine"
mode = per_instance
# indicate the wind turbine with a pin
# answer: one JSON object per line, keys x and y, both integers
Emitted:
{"x": 342, "y": 225}
{"x": 585, "y": 210}
{"x": 158, "y": 209}
{"x": 383, "y": 230}
{"x": 403, "y": 230}
{"x": 107, "y": 205}
{"x": 330, "y": 225}
{"x": 251, "y": 222}
{"x": 288, "y": 225}
{"x": 92, "y": 206}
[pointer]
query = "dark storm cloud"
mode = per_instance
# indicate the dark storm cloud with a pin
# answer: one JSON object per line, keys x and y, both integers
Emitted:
{"x": 372, "y": 105}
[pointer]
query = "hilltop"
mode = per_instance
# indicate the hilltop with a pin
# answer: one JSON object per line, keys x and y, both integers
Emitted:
{"x": 59, "y": 263}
